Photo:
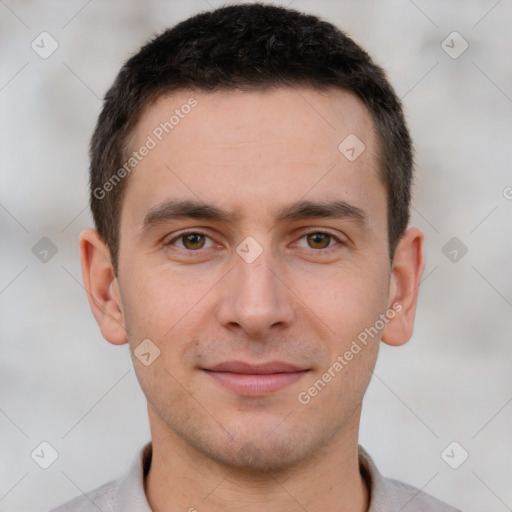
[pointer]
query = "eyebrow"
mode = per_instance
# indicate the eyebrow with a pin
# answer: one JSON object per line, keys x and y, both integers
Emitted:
{"x": 299, "y": 210}
{"x": 179, "y": 209}
{"x": 335, "y": 209}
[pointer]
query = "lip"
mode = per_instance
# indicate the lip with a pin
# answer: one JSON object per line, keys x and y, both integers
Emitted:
{"x": 255, "y": 379}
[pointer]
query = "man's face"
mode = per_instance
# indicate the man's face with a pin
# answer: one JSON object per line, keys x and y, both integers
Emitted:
{"x": 245, "y": 325}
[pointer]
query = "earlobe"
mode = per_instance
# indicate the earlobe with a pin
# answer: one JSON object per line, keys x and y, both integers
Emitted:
{"x": 102, "y": 287}
{"x": 407, "y": 268}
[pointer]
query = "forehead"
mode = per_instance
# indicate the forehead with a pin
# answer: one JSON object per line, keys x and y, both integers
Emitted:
{"x": 250, "y": 152}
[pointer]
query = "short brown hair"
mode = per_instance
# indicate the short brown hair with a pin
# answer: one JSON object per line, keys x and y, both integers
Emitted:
{"x": 247, "y": 47}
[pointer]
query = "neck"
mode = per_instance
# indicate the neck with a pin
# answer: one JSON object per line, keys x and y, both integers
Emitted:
{"x": 181, "y": 478}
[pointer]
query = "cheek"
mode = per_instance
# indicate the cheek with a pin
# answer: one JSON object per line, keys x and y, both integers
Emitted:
{"x": 162, "y": 310}
{"x": 347, "y": 300}
{"x": 165, "y": 307}
{"x": 155, "y": 302}
{"x": 335, "y": 393}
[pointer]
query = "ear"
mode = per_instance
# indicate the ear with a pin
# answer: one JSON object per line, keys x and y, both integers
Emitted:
{"x": 102, "y": 287}
{"x": 407, "y": 268}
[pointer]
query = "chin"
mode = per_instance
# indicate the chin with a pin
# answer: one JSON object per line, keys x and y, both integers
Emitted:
{"x": 259, "y": 442}
{"x": 259, "y": 458}
{"x": 261, "y": 451}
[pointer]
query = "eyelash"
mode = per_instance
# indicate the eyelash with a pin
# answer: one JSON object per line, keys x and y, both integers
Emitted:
{"x": 198, "y": 251}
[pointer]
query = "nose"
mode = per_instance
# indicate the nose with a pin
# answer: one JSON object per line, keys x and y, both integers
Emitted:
{"x": 255, "y": 298}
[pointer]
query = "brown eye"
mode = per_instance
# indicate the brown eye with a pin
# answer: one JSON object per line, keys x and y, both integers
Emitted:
{"x": 319, "y": 240}
{"x": 193, "y": 241}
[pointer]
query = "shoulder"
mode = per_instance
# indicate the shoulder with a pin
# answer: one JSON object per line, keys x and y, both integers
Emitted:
{"x": 126, "y": 494}
{"x": 410, "y": 499}
{"x": 389, "y": 495}
{"x": 101, "y": 498}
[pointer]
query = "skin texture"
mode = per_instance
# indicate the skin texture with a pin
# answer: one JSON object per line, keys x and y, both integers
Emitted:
{"x": 302, "y": 301}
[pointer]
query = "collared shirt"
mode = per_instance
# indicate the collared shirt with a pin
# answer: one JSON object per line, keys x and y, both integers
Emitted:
{"x": 127, "y": 493}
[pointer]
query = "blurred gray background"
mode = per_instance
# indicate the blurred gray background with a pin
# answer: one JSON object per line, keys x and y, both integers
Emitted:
{"x": 61, "y": 383}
